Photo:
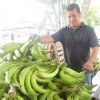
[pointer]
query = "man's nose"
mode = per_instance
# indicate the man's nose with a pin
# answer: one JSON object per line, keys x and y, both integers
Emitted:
{"x": 71, "y": 18}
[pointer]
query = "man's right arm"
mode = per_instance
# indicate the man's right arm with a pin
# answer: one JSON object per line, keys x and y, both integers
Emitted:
{"x": 46, "y": 39}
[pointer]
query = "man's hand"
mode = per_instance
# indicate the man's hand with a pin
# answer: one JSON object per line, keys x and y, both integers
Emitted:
{"x": 88, "y": 66}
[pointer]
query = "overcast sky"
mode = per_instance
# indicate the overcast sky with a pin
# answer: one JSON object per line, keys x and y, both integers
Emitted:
{"x": 17, "y": 13}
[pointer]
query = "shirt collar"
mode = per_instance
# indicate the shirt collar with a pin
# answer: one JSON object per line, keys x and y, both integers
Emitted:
{"x": 81, "y": 24}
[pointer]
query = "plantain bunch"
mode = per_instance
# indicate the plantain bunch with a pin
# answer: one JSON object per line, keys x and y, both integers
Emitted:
{"x": 26, "y": 73}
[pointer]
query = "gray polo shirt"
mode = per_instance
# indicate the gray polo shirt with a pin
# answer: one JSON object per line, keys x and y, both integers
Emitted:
{"x": 76, "y": 44}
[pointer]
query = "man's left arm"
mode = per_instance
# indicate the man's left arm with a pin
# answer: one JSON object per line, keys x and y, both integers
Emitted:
{"x": 89, "y": 64}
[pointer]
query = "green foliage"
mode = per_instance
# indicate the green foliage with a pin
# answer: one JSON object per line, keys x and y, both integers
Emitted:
{"x": 92, "y": 18}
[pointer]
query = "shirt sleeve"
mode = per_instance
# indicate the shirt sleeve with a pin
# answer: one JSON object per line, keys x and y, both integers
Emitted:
{"x": 93, "y": 41}
{"x": 59, "y": 35}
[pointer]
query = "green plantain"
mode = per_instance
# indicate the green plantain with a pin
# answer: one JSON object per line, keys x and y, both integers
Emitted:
{"x": 35, "y": 85}
{"x": 28, "y": 86}
{"x": 22, "y": 77}
{"x": 10, "y": 74}
{"x": 52, "y": 86}
{"x": 14, "y": 79}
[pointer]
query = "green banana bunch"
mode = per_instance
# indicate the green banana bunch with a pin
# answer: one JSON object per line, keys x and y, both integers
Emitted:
{"x": 41, "y": 51}
{"x": 84, "y": 95}
{"x": 75, "y": 74}
{"x": 69, "y": 79}
{"x": 6, "y": 66}
{"x": 36, "y": 52}
{"x": 12, "y": 55}
{"x": 25, "y": 47}
{"x": 47, "y": 74}
{"x": 87, "y": 86}
{"x": 37, "y": 77}
{"x": 47, "y": 66}
{"x": 87, "y": 90}
{"x": 52, "y": 68}
{"x": 10, "y": 47}
{"x": 42, "y": 68}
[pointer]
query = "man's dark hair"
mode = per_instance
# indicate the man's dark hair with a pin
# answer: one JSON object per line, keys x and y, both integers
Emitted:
{"x": 72, "y": 7}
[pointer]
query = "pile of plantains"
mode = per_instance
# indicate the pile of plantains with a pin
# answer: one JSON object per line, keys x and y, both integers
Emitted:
{"x": 26, "y": 73}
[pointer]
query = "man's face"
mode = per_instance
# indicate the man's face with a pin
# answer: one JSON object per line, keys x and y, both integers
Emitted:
{"x": 74, "y": 18}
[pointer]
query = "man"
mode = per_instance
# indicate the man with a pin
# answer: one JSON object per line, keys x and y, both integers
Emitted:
{"x": 77, "y": 39}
